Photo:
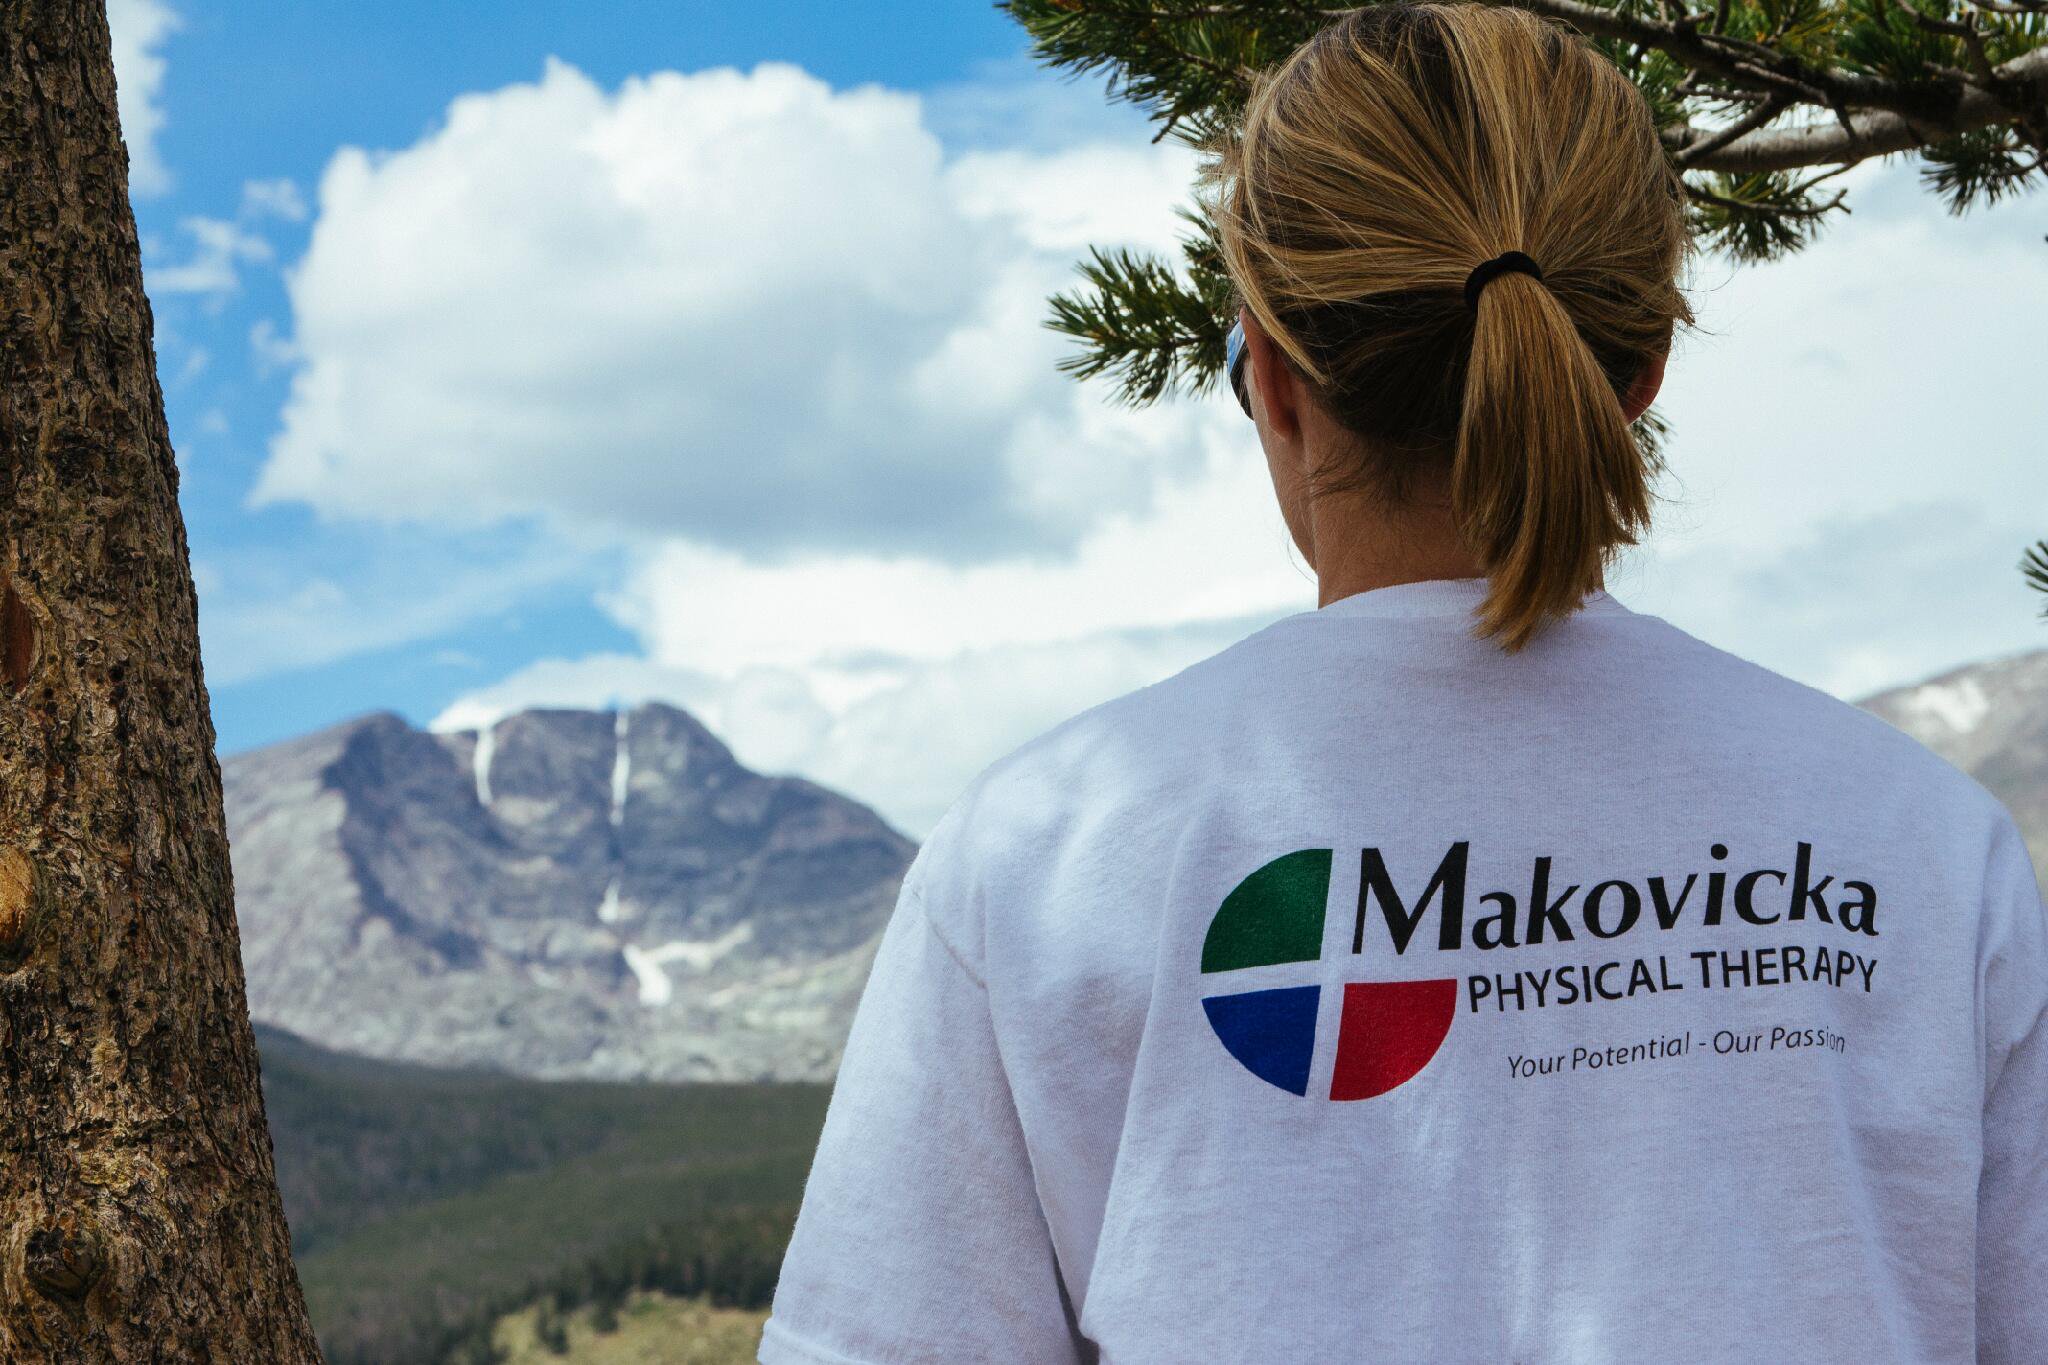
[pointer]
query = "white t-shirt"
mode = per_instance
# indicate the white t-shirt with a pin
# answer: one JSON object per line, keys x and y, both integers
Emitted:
{"x": 1365, "y": 993}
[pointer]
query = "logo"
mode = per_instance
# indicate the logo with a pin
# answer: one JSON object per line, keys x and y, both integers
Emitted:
{"x": 1387, "y": 1031}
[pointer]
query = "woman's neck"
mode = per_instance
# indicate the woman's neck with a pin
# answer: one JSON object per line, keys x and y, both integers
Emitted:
{"x": 1358, "y": 543}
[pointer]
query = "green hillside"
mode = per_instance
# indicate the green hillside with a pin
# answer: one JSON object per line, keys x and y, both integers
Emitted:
{"x": 426, "y": 1204}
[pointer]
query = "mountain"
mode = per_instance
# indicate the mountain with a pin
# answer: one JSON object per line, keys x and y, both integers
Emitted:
{"x": 565, "y": 894}
{"x": 1991, "y": 720}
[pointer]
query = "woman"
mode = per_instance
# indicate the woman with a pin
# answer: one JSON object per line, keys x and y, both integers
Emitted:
{"x": 1471, "y": 969}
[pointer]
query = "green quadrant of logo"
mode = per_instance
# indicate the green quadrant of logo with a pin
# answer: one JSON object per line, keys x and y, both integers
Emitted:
{"x": 1274, "y": 915}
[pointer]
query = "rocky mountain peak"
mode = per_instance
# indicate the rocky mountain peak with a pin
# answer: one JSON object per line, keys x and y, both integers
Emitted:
{"x": 565, "y": 892}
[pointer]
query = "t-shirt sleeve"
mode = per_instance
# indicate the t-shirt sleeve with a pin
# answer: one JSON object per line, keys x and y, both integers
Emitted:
{"x": 2012, "y": 1191}
{"x": 920, "y": 1237}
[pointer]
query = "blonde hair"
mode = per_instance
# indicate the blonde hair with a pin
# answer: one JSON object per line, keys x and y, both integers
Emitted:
{"x": 1373, "y": 169}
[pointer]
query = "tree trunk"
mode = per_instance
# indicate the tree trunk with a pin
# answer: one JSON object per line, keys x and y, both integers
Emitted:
{"x": 139, "y": 1214}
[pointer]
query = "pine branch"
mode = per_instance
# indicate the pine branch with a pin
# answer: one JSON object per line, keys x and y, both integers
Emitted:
{"x": 1982, "y": 167}
{"x": 2034, "y": 569}
{"x": 1757, "y": 217}
{"x": 1153, "y": 329}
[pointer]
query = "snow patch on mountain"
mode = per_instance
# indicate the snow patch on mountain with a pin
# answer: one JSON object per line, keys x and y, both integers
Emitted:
{"x": 650, "y": 965}
{"x": 1960, "y": 706}
{"x": 622, "y": 768}
{"x": 480, "y": 762}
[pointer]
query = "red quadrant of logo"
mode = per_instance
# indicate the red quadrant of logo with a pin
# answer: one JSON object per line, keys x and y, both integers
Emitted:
{"x": 1388, "y": 1031}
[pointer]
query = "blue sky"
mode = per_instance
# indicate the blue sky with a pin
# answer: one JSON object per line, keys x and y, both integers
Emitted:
{"x": 567, "y": 354}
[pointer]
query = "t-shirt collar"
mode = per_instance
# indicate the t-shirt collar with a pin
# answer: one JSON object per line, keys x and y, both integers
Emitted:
{"x": 1435, "y": 597}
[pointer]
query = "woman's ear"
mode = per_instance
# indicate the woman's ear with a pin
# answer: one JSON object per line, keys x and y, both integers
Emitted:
{"x": 1276, "y": 391}
{"x": 1642, "y": 390}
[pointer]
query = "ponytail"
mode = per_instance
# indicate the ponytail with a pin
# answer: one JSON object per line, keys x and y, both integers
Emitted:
{"x": 1547, "y": 479}
{"x": 1372, "y": 169}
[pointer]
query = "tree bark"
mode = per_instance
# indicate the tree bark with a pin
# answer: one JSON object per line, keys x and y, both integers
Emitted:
{"x": 139, "y": 1214}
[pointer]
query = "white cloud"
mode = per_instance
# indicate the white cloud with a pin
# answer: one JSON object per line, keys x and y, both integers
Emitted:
{"x": 743, "y": 308}
{"x": 272, "y": 351}
{"x": 278, "y": 198}
{"x": 219, "y": 249}
{"x": 139, "y": 28}
{"x": 1208, "y": 548}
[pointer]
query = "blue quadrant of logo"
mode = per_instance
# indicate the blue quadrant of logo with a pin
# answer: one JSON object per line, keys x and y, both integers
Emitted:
{"x": 1273, "y": 1032}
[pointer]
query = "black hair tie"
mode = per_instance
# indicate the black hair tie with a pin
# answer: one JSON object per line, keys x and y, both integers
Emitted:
{"x": 1507, "y": 263}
